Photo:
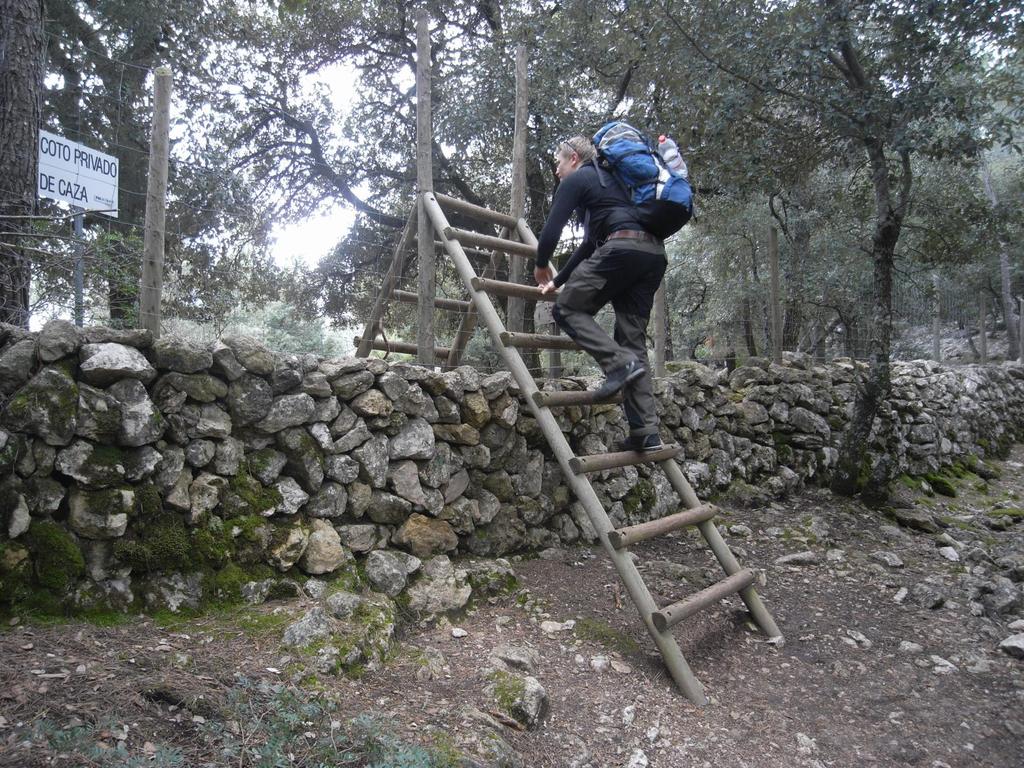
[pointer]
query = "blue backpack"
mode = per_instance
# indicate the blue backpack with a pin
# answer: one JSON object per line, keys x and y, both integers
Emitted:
{"x": 662, "y": 198}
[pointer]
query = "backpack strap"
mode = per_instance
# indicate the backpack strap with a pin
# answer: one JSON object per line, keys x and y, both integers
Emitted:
{"x": 621, "y": 217}
{"x": 601, "y": 172}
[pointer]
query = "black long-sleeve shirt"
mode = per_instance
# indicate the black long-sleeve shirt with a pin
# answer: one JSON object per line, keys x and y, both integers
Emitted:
{"x": 602, "y": 209}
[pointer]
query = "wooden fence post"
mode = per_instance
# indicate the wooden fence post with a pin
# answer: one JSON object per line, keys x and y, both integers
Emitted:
{"x": 156, "y": 205}
{"x": 776, "y": 307}
{"x": 936, "y": 319}
{"x": 426, "y": 286}
{"x": 517, "y": 306}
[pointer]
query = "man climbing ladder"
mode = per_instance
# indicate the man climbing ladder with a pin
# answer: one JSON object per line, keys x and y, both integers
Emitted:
{"x": 621, "y": 260}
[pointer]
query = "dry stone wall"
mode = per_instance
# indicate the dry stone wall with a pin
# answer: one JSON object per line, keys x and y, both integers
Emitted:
{"x": 162, "y": 474}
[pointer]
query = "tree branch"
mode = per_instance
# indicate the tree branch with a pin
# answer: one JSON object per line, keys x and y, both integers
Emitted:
{"x": 321, "y": 167}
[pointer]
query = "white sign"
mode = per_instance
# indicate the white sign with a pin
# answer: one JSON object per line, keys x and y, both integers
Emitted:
{"x": 73, "y": 173}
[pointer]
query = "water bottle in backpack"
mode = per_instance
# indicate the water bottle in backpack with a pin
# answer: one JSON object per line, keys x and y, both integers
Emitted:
{"x": 669, "y": 152}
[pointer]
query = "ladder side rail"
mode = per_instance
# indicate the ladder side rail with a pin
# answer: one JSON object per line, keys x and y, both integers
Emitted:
{"x": 525, "y": 233}
{"x": 721, "y": 550}
{"x": 641, "y": 597}
{"x": 395, "y": 269}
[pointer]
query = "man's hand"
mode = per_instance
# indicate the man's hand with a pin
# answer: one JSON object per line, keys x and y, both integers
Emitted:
{"x": 543, "y": 275}
{"x": 549, "y": 287}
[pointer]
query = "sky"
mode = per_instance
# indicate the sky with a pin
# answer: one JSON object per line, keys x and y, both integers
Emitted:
{"x": 308, "y": 241}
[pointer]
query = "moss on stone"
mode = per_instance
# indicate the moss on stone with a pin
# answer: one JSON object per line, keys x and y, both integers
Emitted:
{"x": 907, "y": 481}
{"x": 376, "y": 621}
{"x": 508, "y": 689}
{"x": 259, "y": 461}
{"x": 148, "y": 501}
{"x": 163, "y": 544}
{"x": 781, "y": 439}
{"x": 941, "y": 484}
{"x": 226, "y": 584}
{"x": 56, "y": 558}
{"x": 490, "y": 583}
{"x": 215, "y": 547}
{"x": 640, "y": 497}
{"x": 57, "y": 398}
{"x": 247, "y": 496}
{"x": 248, "y": 527}
{"x": 107, "y": 501}
{"x": 107, "y": 456}
{"x": 351, "y": 577}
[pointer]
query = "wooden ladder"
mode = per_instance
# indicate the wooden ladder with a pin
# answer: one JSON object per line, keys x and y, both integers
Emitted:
{"x": 658, "y": 620}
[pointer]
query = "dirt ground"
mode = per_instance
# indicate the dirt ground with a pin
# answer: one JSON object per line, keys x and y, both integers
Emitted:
{"x": 847, "y": 688}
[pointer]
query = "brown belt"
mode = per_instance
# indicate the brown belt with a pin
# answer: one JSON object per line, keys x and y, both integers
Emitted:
{"x": 633, "y": 234}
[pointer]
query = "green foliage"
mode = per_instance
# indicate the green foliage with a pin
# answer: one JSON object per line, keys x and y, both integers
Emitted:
{"x": 272, "y": 725}
{"x": 273, "y": 719}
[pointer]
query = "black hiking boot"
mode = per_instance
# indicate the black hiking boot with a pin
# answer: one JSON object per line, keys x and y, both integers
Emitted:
{"x": 619, "y": 378}
{"x": 642, "y": 443}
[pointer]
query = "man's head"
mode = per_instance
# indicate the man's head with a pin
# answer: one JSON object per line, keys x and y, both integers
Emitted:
{"x": 571, "y": 154}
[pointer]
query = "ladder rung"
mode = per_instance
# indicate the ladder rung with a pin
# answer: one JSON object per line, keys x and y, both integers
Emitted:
{"x": 477, "y": 212}
{"x": 474, "y": 252}
{"x": 537, "y": 341}
{"x": 600, "y": 461}
{"x": 624, "y": 537}
{"x": 414, "y": 298}
{"x": 488, "y": 241}
{"x": 584, "y": 397}
{"x": 673, "y": 614}
{"x": 403, "y": 347}
{"x": 501, "y": 288}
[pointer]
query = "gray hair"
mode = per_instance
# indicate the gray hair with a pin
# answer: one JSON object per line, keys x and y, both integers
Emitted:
{"x": 581, "y": 145}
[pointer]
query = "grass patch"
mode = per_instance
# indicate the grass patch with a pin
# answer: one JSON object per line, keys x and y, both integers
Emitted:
{"x": 257, "y": 624}
{"x": 603, "y": 634}
{"x": 1009, "y": 512}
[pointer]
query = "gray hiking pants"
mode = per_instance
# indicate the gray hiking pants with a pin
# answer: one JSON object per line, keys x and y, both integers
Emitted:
{"x": 627, "y": 274}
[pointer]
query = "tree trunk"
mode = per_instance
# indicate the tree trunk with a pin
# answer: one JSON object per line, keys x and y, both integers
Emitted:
{"x": 22, "y": 49}
{"x": 1006, "y": 295}
{"x": 851, "y": 473}
{"x": 793, "y": 311}
{"x": 748, "y": 329}
{"x": 670, "y": 351}
{"x": 1005, "y": 290}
